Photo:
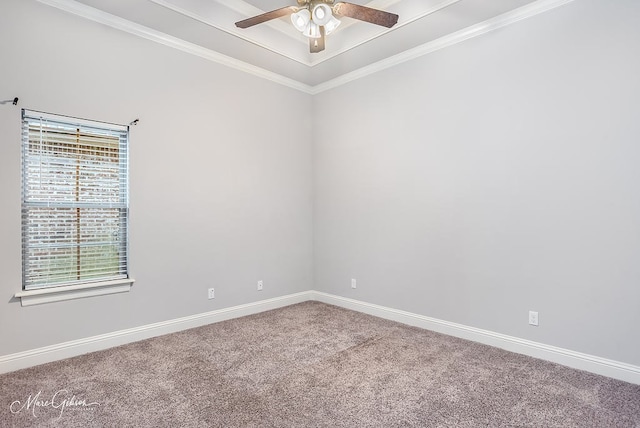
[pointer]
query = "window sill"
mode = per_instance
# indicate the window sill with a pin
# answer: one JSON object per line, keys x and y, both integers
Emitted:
{"x": 69, "y": 292}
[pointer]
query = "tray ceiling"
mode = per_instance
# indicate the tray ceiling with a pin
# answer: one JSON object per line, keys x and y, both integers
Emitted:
{"x": 278, "y": 48}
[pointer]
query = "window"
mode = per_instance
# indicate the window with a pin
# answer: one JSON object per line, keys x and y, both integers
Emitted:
{"x": 75, "y": 203}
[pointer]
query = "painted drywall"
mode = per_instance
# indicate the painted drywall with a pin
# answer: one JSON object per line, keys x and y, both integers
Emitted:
{"x": 475, "y": 184}
{"x": 221, "y": 192}
{"x": 492, "y": 178}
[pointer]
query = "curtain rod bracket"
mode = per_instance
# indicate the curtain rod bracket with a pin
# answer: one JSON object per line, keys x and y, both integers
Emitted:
{"x": 12, "y": 101}
{"x": 135, "y": 122}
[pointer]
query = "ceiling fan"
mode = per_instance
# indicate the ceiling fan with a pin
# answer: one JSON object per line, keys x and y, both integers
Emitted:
{"x": 316, "y": 18}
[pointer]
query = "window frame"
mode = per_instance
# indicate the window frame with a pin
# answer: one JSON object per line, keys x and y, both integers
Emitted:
{"x": 106, "y": 279}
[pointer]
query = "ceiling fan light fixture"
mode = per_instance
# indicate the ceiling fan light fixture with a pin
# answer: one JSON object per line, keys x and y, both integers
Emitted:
{"x": 315, "y": 18}
{"x": 331, "y": 25}
{"x": 301, "y": 19}
{"x": 312, "y": 31}
{"x": 321, "y": 14}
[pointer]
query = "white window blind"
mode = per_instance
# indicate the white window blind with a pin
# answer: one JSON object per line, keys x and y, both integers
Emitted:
{"x": 75, "y": 201}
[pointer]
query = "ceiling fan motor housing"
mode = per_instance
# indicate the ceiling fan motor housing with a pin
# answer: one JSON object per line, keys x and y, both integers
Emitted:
{"x": 315, "y": 18}
{"x": 313, "y": 2}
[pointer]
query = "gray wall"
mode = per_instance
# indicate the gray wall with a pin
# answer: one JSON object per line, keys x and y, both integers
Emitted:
{"x": 492, "y": 178}
{"x": 471, "y": 185}
{"x": 221, "y": 192}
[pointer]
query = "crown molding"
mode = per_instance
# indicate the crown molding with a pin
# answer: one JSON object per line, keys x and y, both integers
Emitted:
{"x": 508, "y": 18}
{"x": 440, "y": 6}
{"x": 309, "y": 60}
{"x": 476, "y": 30}
{"x": 147, "y": 33}
{"x": 248, "y": 11}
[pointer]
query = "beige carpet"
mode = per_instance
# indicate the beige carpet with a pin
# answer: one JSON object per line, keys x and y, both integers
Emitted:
{"x": 312, "y": 365}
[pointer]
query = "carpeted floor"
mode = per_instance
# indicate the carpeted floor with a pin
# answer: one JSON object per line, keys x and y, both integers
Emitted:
{"x": 312, "y": 365}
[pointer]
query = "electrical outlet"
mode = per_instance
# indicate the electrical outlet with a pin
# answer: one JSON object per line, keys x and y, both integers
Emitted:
{"x": 353, "y": 283}
{"x": 533, "y": 318}
{"x": 212, "y": 294}
{"x": 260, "y": 285}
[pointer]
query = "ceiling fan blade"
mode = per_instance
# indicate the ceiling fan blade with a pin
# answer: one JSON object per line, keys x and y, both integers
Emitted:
{"x": 363, "y": 13}
{"x": 268, "y": 16}
{"x": 317, "y": 45}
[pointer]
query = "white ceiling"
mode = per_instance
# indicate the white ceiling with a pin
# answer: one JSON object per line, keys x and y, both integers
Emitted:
{"x": 207, "y": 26}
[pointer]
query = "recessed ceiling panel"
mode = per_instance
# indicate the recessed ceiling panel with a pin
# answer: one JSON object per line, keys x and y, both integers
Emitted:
{"x": 278, "y": 47}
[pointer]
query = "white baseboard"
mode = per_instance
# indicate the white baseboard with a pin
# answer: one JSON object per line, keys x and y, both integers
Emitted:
{"x": 21, "y": 360}
{"x": 577, "y": 360}
{"x": 566, "y": 357}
